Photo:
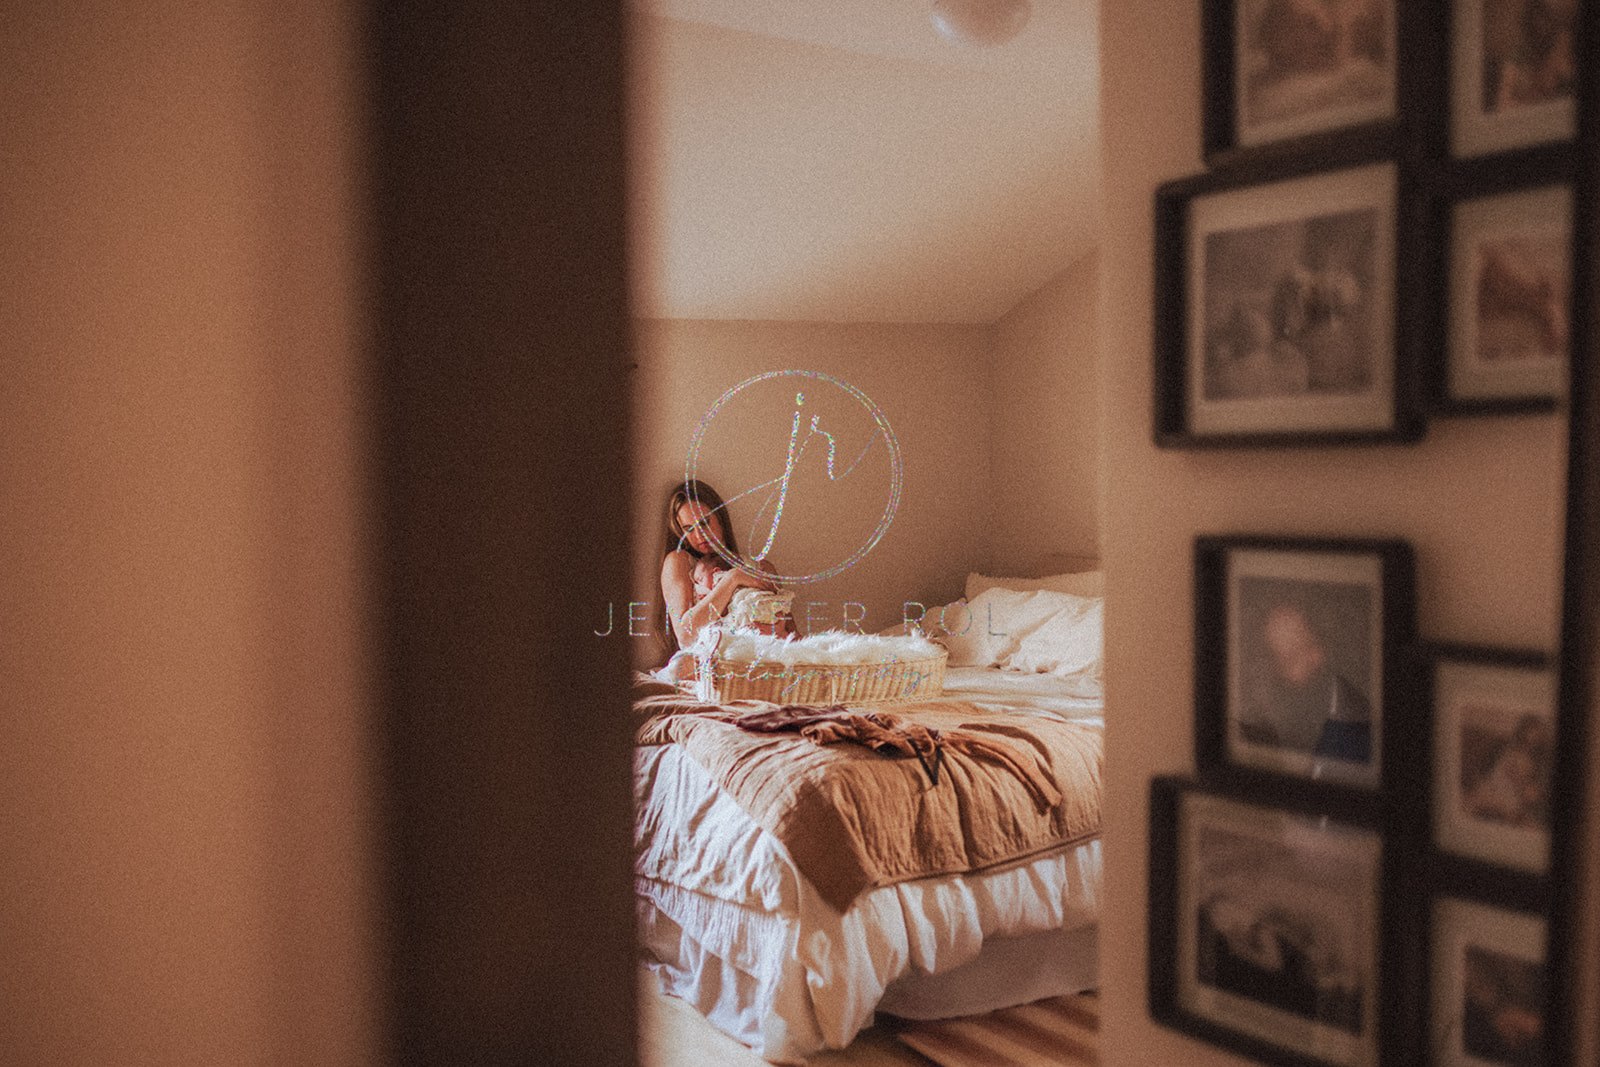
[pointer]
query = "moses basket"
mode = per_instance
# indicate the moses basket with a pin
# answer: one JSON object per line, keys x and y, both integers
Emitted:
{"x": 886, "y": 679}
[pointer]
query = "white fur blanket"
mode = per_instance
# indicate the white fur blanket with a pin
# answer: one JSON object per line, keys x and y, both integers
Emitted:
{"x": 825, "y": 647}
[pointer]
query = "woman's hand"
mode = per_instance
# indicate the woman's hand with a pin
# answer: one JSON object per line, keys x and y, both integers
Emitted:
{"x": 737, "y": 579}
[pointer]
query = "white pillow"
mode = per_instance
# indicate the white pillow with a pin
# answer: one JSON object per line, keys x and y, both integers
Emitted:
{"x": 987, "y": 629}
{"x": 1070, "y": 644}
{"x": 1083, "y": 583}
{"x": 932, "y": 620}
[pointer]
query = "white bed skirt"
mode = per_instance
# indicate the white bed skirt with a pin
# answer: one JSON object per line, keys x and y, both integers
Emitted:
{"x": 1007, "y": 972}
{"x": 936, "y": 947}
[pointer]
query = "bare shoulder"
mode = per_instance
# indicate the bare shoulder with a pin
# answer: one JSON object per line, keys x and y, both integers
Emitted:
{"x": 678, "y": 564}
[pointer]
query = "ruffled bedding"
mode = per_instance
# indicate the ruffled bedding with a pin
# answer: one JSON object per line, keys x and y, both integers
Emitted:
{"x": 996, "y": 786}
{"x": 734, "y": 927}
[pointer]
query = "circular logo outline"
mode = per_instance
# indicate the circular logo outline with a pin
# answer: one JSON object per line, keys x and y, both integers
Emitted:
{"x": 896, "y": 475}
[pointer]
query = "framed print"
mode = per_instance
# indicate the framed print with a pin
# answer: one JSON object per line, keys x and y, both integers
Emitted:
{"x": 1266, "y": 930}
{"x": 1281, "y": 70}
{"x": 1276, "y": 310}
{"x": 1510, "y": 300}
{"x": 1494, "y": 735}
{"x": 1487, "y": 985}
{"x": 1513, "y": 73}
{"x": 1297, "y": 646}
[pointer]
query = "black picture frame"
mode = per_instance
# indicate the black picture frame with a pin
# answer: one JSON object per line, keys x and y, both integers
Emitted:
{"x": 1407, "y": 49}
{"x": 1262, "y": 601}
{"x": 1352, "y": 317}
{"x": 1473, "y": 127}
{"x": 1477, "y": 696}
{"x": 1199, "y": 985}
{"x": 1468, "y": 910}
{"x": 1474, "y": 199}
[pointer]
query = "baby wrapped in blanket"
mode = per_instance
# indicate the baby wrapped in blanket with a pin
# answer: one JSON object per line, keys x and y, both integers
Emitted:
{"x": 759, "y": 609}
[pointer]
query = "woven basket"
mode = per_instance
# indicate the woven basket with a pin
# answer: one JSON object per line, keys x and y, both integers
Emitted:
{"x": 722, "y": 680}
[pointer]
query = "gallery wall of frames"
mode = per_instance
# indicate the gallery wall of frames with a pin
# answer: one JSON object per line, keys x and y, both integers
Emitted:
{"x": 1365, "y": 869}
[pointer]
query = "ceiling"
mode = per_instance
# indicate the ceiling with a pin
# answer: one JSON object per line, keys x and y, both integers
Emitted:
{"x": 838, "y": 161}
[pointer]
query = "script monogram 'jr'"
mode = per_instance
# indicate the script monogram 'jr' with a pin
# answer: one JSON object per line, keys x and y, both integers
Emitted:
{"x": 797, "y": 449}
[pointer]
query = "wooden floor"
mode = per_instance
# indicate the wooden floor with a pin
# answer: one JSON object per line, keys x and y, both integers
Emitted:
{"x": 672, "y": 1034}
{"x": 1061, "y": 1032}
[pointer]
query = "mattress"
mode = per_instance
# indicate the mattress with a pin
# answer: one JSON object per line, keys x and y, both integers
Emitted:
{"x": 728, "y": 923}
{"x": 1018, "y": 689}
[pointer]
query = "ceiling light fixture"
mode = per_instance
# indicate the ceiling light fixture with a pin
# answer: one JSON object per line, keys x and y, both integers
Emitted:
{"x": 980, "y": 23}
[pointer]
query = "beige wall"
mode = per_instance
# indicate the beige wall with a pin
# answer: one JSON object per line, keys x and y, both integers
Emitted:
{"x": 182, "y": 759}
{"x": 1478, "y": 499}
{"x": 998, "y": 426}
{"x": 930, "y": 381}
{"x": 1045, "y": 425}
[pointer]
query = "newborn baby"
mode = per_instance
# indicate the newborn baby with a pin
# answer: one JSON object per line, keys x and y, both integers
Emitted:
{"x": 758, "y": 609}
{"x": 750, "y": 609}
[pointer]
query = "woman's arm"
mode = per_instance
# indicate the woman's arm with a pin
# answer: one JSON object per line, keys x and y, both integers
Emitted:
{"x": 677, "y": 589}
{"x": 784, "y": 625}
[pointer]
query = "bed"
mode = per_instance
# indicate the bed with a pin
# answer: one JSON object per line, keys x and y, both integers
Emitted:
{"x": 730, "y": 922}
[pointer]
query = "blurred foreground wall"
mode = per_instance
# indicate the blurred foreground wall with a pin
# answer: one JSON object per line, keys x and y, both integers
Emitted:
{"x": 183, "y": 760}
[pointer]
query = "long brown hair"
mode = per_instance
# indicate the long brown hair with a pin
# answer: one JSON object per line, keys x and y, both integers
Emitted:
{"x": 696, "y": 491}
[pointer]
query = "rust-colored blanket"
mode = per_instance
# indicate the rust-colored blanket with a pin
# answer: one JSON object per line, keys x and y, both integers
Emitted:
{"x": 853, "y": 820}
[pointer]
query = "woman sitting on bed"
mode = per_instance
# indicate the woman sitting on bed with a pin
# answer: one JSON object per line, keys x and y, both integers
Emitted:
{"x": 697, "y": 584}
